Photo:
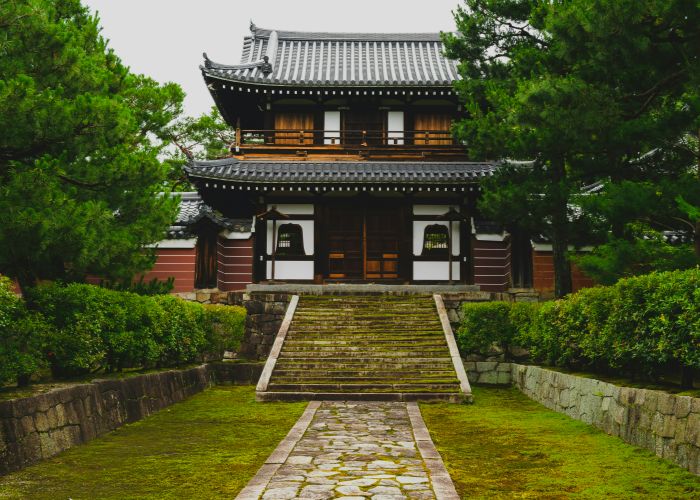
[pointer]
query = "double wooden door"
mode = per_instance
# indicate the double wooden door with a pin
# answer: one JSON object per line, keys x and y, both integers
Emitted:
{"x": 363, "y": 243}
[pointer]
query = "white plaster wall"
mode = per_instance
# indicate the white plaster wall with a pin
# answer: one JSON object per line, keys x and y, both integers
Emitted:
{"x": 419, "y": 231}
{"x": 307, "y": 228}
{"x": 181, "y": 243}
{"x": 331, "y": 121}
{"x": 293, "y": 208}
{"x": 435, "y": 271}
{"x": 432, "y": 209}
{"x": 395, "y": 126}
{"x": 291, "y": 270}
{"x": 232, "y": 235}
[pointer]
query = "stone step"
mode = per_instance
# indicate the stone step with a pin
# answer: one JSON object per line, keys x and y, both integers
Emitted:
{"x": 378, "y": 342}
{"x": 360, "y": 364}
{"x": 279, "y": 379}
{"x": 364, "y": 336}
{"x": 427, "y": 397}
{"x": 360, "y": 352}
{"x": 343, "y": 372}
{"x": 385, "y": 314}
{"x": 365, "y": 387}
{"x": 359, "y": 333}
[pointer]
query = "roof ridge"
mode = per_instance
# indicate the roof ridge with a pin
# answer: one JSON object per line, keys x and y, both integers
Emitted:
{"x": 347, "y": 35}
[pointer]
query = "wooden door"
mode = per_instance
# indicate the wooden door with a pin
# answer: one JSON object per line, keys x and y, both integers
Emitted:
{"x": 344, "y": 227}
{"x": 363, "y": 243}
{"x": 357, "y": 121}
{"x": 382, "y": 241}
{"x": 294, "y": 128}
{"x": 432, "y": 129}
{"x": 205, "y": 271}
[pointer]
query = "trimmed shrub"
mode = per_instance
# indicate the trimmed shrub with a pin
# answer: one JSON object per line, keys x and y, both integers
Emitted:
{"x": 225, "y": 329}
{"x": 22, "y": 338}
{"x": 485, "y": 325}
{"x": 97, "y": 329}
{"x": 645, "y": 325}
{"x": 181, "y": 332}
{"x": 488, "y": 328}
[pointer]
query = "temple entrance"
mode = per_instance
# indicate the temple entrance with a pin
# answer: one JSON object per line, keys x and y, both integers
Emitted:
{"x": 363, "y": 244}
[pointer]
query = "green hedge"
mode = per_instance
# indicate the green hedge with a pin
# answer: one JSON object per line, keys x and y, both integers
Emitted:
{"x": 88, "y": 329}
{"x": 643, "y": 325}
{"x": 23, "y": 335}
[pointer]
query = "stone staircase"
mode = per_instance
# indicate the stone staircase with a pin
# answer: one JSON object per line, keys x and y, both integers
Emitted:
{"x": 370, "y": 347}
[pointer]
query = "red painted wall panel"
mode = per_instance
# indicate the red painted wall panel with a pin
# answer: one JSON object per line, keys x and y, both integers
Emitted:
{"x": 543, "y": 274}
{"x": 235, "y": 262}
{"x": 492, "y": 267}
{"x": 175, "y": 262}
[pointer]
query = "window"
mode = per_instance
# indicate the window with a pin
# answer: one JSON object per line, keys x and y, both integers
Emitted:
{"x": 435, "y": 241}
{"x": 290, "y": 240}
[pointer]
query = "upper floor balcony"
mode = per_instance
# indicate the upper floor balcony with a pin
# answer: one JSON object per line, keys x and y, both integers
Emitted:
{"x": 348, "y": 144}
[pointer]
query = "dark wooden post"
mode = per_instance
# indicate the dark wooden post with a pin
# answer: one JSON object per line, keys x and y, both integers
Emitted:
{"x": 274, "y": 216}
{"x": 450, "y": 216}
{"x": 449, "y": 251}
{"x": 274, "y": 249}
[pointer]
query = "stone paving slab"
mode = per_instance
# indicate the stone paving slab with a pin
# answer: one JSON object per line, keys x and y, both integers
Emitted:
{"x": 361, "y": 450}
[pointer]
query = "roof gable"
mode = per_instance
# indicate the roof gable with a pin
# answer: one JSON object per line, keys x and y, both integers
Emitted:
{"x": 339, "y": 59}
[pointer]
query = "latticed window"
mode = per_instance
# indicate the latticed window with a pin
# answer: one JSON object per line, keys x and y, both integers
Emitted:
{"x": 435, "y": 241}
{"x": 290, "y": 240}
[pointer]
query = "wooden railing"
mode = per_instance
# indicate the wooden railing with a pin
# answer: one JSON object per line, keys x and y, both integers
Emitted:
{"x": 344, "y": 138}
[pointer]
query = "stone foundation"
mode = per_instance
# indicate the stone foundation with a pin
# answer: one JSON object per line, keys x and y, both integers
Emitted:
{"x": 666, "y": 424}
{"x": 39, "y": 427}
{"x": 265, "y": 312}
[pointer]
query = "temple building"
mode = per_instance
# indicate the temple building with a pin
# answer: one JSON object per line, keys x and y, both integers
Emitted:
{"x": 343, "y": 169}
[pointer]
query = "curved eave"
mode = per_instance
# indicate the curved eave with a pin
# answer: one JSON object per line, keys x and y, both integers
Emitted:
{"x": 374, "y": 85}
{"x": 342, "y": 173}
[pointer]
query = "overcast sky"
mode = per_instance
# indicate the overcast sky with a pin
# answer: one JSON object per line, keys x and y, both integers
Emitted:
{"x": 165, "y": 39}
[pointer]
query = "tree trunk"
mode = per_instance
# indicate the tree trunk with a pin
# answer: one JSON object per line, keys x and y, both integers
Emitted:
{"x": 560, "y": 242}
{"x": 562, "y": 267}
{"x": 23, "y": 380}
{"x": 687, "y": 377}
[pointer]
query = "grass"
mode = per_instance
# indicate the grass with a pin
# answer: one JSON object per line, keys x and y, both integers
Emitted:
{"x": 208, "y": 446}
{"x": 507, "y": 446}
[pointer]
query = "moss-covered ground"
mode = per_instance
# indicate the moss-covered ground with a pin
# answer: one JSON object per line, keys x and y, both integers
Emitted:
{"x": 208, "y": 446}
{"x": 507, "y": 446}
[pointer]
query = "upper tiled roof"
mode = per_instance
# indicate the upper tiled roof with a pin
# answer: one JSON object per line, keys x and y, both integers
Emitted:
{"x": 339, "y": 172}
{"x": 193, "y": 209}
{"x": 339, "y": 59}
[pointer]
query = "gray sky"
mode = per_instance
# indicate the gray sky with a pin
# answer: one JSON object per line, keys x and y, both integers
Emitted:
{"x": 165, "y": 39}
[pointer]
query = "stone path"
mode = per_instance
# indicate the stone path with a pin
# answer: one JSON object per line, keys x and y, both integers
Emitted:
{"x": 354, "y": 450}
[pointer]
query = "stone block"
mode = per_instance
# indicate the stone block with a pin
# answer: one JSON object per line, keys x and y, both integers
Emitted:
{"x": 503, "y": 378}
{"x": 666, "y": 403}
{"x": 683, "y": 405}
{"x": 693, "y": 429}
{"x": 486, "y": 366}
{"x": 490, "y": 377}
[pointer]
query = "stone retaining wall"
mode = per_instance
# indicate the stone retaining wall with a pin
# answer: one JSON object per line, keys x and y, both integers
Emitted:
{"x": 488, "y": 372}
{"x": 666, "y": 424}
{"x": 265, "y": 312}
{"x": 39, "y": 427}
{"x": 227, "y": 373}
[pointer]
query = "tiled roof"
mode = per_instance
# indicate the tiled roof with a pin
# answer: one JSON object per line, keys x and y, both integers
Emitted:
{"x": 193, "y": 209}
{"x": 339, "y": 172}
{"x": 339, "y": 59}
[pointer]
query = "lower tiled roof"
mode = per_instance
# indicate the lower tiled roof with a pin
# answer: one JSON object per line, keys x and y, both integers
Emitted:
{"x": 193, "y": 209}
{"x": 341, "y": 172}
